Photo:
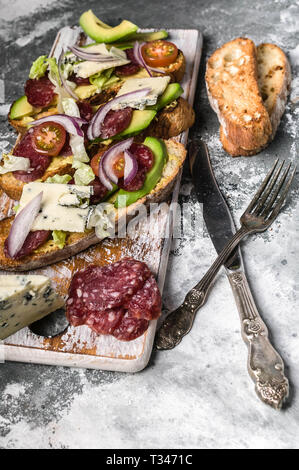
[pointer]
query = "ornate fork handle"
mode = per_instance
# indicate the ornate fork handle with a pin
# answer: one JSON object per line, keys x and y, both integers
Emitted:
{"x": 265, "y": 365}
{"x": 180, "y": 322}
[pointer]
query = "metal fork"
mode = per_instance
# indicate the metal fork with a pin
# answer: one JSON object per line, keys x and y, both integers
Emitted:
{"x": 259, "y": 215}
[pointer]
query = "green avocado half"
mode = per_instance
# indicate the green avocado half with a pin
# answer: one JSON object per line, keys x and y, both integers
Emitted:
{"x": 141, "y": 119}
{"x": 101, "y": 32}
{"x": 125, "y": 198}
{"x": 20, "y": 108}
{"x": 172, "y": 93}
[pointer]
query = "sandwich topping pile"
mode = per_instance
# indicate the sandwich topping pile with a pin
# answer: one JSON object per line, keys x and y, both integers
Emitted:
{"x": 94, "y": 126}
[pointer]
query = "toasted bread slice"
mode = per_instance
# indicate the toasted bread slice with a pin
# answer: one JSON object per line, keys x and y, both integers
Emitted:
{"x": 176, "y": 70}
{"x": 274, "y": 80}
{"x": 232, "y": 86}
{"x": 168, "y": 123}
{"x": 14, "y": 187}
{"x": 49, "y": 253}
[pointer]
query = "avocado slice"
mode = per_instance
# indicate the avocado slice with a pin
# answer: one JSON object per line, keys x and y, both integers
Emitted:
{"x": 172, "y": 92}
{"x": 21, "y": 108}
{"x": 101, "y": 32}
{"x": 153, "y": 36}
{"x": 141, "y": 119}
{"x": 158, "y": 148}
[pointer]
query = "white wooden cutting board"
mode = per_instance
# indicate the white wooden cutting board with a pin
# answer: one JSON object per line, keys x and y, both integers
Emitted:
{"x": 80, "y": 346}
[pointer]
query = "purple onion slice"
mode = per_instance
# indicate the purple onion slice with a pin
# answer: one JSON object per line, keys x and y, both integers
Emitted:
{"x": 70, "y": 123}
{"x": 63, "y": 80}
{"x": 106, "y": 171}
{"x": 94, "y": 128}
{"x": 91, "y": 56}
{"x": 22, "y": 224}
{"x": 131, "y": 167}
{"x": 138, "y": 57}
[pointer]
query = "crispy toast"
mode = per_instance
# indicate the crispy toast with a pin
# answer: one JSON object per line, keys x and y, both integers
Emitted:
{"x": 232, "y": 86}
{"x": 274, "y": 80}
{"x": 49, "y": 253}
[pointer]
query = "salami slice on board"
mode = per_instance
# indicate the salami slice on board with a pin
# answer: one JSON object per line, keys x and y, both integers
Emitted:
{"x": 117, "y": 299}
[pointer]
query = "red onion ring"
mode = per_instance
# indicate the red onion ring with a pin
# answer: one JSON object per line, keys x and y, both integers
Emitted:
{"x": 138, "y": 57}
{"x": 94, "y": 128}
{"x": 103, "y": 178}
{"x": 91, "y": 56}
{"x": 22, "y": 224}
{"x": 63, "y": 80}
{"x": 131, "y": 167}
{"x": 107, "y": 160}
{"x": 70, "y": 123}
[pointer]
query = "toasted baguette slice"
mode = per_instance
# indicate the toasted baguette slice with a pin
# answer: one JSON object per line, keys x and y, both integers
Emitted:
{"x": 232, "y": 86}
{"x": 168, "y": 123}
{"x": 49, "y": 253}
{"x": 14, "y": 187}
{"x": 274, "y": 79}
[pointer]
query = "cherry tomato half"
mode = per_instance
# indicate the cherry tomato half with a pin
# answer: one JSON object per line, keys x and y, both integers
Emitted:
{"x": 159, "y": 53}
{"x": 118, "y": 164}
{"x": 49, "y": 138}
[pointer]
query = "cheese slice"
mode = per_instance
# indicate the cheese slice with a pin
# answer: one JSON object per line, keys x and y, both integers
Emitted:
{"x": 156, "y": 84}
{"x": 24, "y": 300}
{"x": 87, "y": 68}
{"x": 54, "y": 215}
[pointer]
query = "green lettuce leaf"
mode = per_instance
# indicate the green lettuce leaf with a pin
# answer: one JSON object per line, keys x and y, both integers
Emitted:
{"x": 53, "y": 71}
{"x": 39, "y": 67}
{"x": 83, "y": 174}
{"x": 59, "y": 237}
{"x": 60, "y": 179}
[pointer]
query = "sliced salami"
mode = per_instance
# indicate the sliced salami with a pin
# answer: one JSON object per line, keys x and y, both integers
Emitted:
{"x": 130, "y": 328}
{"x": 116, "y": 122}
{"x": 117, "y": 299}
{"x": 146, "y": 303}
{"x": 38, "y": 162}
{"x": 79, "y": 80}
{"x": 136, "y": 183}
{"x": 143, "y": 154}
{"x": 105, "y": 322}
{"x": 66, "y": 150}
{"x": 31, "y": 243}
{"x": 99, "y": 191}
{"x": 39, "y": 92}
{"x": 85, "y": 110}
{"x": 128, "y": 69}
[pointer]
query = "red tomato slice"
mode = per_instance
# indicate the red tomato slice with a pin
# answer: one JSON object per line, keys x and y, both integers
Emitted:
{"x": 49, "y": 138}
{"x": 159, "y": 53}
{"x": 118, "y": 165}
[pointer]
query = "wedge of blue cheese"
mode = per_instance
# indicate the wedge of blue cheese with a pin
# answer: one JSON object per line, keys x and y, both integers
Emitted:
{"x": 87, "y": 68}
{"x": 63, "y": 207}
{"x": 156, "y": 84}
{"x": 25, "y": 299}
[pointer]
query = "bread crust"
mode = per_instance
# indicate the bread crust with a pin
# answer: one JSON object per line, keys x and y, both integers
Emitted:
{"x": 232, "y": 86}
{"x": 49, "y": 253}
{"x": 274, "y": 80}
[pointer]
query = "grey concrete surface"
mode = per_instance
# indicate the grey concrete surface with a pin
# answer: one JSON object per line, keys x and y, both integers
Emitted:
{"x": 198, "y": 395}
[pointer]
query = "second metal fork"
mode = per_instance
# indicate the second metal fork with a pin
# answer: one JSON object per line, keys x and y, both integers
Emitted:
{"x": 259, "y": 215}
